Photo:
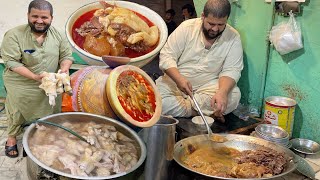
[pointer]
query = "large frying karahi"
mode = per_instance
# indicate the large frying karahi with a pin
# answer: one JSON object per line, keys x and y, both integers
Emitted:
{"x": 238, "y": 142}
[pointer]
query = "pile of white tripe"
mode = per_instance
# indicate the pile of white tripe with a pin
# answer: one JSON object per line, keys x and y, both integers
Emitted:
{"x": 54, "y": 84}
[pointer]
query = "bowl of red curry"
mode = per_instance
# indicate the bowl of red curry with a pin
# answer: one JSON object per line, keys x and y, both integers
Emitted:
{"x": 116, "y": 28}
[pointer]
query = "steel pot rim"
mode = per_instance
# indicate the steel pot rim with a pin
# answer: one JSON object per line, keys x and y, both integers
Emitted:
{"x": 142, "y": 157}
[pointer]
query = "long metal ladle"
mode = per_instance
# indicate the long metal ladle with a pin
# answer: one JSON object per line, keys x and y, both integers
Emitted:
{"x": 59, "y": 126}
{"x": 203, "y": 118}
{"x": 211, "y": 136}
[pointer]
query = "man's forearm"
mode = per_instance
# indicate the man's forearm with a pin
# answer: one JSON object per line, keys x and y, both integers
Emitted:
{"x": 174, "y": 74}
{"x": 65, "y": 65}
{"x": 226, "y": 84}
{"x": 182, "y": 83}
{"x": 23, "y": 71}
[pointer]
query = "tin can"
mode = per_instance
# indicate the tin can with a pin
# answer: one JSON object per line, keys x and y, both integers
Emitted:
{"x": 280, "y": 111}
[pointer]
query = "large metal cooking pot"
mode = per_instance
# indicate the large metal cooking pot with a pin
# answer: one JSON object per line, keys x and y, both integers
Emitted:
{"x": 239, "y": 142}
{"x": 80, "y": 117}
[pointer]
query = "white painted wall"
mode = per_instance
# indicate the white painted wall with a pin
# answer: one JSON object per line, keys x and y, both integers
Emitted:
{"x": 14, "y": 13}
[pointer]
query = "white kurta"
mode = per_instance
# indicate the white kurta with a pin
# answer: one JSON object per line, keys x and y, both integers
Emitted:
{"x": 185, "y": 50}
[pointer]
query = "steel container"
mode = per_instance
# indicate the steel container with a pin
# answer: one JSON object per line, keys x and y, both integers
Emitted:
{"x": 160, "y": 140}
{"x": 80, "y": 117}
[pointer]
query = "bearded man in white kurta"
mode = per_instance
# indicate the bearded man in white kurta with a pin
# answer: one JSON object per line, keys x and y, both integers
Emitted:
{"x": 202, "y": 57}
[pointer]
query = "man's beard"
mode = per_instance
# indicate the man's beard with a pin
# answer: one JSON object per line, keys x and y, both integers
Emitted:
{"x": 34, "y": 29}
{"x": 207, "y": 34}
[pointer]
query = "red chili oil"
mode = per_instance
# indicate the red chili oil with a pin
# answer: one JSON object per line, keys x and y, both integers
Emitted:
{"x": 134, "y": 112}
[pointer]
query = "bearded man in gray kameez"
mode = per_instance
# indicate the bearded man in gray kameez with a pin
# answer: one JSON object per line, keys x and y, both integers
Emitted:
{"x": 28, "y": 50}
{"x": 202, "y": 57}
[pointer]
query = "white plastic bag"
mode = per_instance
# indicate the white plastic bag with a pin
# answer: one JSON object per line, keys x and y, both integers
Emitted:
{"x": 286, "y": 36}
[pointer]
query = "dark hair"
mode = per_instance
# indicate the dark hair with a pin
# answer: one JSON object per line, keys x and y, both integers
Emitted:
{"x": 171, "y": 11}
{"x": 217, "y": 8}
{"x": 190, "y": 8}
{"x": 41, "y": 5}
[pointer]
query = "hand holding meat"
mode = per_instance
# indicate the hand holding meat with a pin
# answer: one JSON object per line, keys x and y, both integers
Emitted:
{"x": 53, "y": 83}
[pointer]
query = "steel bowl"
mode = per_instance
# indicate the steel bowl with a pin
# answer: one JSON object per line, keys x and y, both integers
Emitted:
{"x": 80, "y": 117}
{"x": 272, "y": 131}
{"x": 143, "y": 10}
{"x": 305, "y": 146}
{"x": 239, "y": 142}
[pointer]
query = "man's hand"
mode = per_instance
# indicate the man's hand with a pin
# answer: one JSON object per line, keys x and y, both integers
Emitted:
{"x": 219, "y": 103}
{"x": 182, "y": 83}
{"x": 65, "y": 66}
{"x": 38, "y": 77}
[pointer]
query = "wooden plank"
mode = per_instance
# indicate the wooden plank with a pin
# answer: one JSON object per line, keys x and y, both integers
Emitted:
{"x": 248, "y": 129}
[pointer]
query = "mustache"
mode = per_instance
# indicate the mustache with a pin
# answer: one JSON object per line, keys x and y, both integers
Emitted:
{"x": 207, "y": 35}
{"x": 34, "y": 29}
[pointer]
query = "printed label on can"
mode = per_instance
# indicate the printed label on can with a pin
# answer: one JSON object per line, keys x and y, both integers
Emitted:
{"x": 271, "y": 117}
{"x": 282, "y": 117}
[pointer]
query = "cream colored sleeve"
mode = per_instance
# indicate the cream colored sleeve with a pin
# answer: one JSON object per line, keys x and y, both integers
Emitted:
{"x": 173, "y": 48}
{"x": 233, "y": 64}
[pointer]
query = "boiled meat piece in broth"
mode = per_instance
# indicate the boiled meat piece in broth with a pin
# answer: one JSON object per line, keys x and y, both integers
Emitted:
{"x": 46, "y": 153}
{"x": 111, "y": 151}
{"x": 69, "y": 163}
{"x": 98, "y": 46}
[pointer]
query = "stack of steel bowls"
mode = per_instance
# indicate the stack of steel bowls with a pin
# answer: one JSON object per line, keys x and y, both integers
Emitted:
{"x": 273, "y": 133}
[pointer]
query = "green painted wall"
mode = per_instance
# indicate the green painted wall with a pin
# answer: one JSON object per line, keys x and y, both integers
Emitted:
{"x": 297, "y": 74}
{"x": 252, "y": 19}
{"x": 267, "y": 73}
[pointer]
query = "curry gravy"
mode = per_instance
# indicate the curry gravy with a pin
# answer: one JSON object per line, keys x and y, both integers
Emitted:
{"x": 212, "y": 161}
{"x": 228, "y": 162}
